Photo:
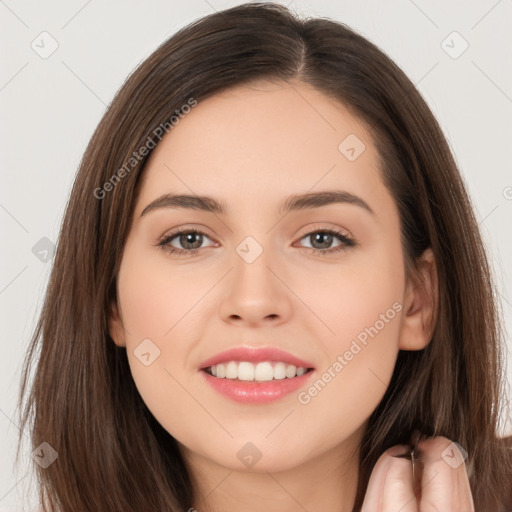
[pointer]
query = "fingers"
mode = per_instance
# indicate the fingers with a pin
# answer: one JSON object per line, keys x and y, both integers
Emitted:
{"x": 390, "y": 487}
{"x": 444, "y": 482}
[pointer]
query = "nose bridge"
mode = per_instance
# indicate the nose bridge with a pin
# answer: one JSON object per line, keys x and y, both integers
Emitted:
{"x": 252, "y": 261}
{"x": 254, "y": 290}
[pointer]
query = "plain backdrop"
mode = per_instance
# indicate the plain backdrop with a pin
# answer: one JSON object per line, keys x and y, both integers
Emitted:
{"x": 63, "y": 61}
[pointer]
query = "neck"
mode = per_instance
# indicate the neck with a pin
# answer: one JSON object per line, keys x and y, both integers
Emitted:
{"x": 326, "y": 483}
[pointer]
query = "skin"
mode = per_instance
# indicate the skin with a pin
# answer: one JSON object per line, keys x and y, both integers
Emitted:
{"x": 251, "y": 148}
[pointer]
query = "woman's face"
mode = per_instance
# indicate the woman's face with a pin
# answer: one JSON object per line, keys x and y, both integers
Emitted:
{"x": 253, "y": 281}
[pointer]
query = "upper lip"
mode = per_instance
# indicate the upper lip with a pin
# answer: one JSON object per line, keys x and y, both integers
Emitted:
{"x": 255, "y": 355}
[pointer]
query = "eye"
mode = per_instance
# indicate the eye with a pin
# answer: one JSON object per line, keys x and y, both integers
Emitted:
{"x": 190, "y": 239}
{"x": 324, "y": 238}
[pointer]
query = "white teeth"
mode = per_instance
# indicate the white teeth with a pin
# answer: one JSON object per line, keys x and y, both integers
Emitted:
{"x": 245, "y": 371}
{"x": 291, "y": 371}
{"x": 279, "y": 371}
{"x": 264, "y": 371}
{"x": 221, "y": 371}
{"x": 231, "y": 370}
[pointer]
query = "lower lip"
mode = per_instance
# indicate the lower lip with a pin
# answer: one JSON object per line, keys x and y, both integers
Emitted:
{"x": 256, "y": 392}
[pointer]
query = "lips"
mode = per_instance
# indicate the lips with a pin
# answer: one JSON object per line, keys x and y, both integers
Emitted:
{"x": 249, "y": 391}
{"x": 256, "y": 355}
{"x": 256, "y": 392}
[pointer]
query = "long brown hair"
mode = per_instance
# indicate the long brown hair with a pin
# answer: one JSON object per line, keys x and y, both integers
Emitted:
{"x": 112, "y": 454}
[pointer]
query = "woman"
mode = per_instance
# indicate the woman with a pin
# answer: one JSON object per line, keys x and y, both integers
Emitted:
{"x": 257, "y": 372}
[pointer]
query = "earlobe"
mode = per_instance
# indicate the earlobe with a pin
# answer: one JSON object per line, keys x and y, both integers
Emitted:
{"x": 420, "y": 311}
{"x": 115, "y": 326}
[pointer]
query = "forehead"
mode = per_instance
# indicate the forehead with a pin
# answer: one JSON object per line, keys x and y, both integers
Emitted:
{"x": 258, "y": 143}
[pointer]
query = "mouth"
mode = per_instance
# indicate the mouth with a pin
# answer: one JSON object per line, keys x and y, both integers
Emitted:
{"x": 263, "y": 371}
{"x": 256, "y": 375}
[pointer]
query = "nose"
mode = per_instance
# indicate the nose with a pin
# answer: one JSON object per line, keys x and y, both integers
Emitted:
{"x": 256, "y": 293}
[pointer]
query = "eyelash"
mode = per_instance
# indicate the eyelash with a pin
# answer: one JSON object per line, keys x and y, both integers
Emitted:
{"x": 347, "y": 242}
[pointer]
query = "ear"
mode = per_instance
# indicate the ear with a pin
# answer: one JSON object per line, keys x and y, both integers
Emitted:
{"x": 115, "y": 326}
{"x": 420, "y": 305}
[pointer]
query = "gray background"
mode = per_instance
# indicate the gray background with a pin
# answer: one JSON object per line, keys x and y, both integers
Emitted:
{"x": 50, "y": 105}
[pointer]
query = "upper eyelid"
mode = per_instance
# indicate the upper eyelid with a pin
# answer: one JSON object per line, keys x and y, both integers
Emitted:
{"x": 309, "y": 230}
{"x": 343, "y": 232}
{"x": 180, "y": 230}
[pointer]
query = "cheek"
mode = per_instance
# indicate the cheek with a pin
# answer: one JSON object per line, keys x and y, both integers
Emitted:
{"x": 365, "y": 308}
{"x": 164, "y": 302}
{"x": 359, "y": 366}
{"x": 156, "y": 296}
{"x": 157, "y": 306}
{"x": 353, "y": 297}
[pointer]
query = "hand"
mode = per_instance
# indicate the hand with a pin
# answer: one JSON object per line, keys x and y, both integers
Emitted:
{"x": 442, "y": 484}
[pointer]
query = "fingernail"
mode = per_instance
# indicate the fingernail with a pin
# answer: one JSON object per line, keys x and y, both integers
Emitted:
{"x": 406, "y": 455}
{"x": 400, "y": 451}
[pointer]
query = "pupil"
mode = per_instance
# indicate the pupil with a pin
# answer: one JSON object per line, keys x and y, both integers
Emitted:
{"x": 329, "y": 238}
{"x": 189, "y": 239}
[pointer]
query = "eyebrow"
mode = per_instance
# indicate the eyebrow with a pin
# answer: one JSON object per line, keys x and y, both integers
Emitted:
{"x": 293, "y": 203}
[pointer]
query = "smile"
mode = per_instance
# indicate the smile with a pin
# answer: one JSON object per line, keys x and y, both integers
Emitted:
{"x": 260, "y": 383}
{"x": 255, "y": 375}
{"x": 262, "y": 372}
